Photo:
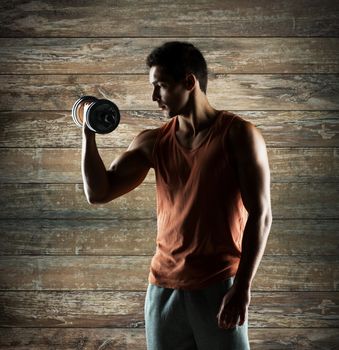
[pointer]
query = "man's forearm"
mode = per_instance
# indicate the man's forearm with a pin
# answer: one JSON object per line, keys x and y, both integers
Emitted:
{"x": 253, "y": 246}
{"x": 93, "y": 170}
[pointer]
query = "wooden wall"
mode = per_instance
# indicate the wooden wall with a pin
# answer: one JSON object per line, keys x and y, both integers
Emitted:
{"x": 74, "y": 276}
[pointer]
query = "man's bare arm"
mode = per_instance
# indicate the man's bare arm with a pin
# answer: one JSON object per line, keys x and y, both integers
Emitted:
{"x": 251, "y": 163}
{"x": 125, "y": 173}
{"x": 252, "y": 167}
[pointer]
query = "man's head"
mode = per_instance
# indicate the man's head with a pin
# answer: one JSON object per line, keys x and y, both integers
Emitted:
{"x": 175, "y": 67}
{"x": 178, "y": 59}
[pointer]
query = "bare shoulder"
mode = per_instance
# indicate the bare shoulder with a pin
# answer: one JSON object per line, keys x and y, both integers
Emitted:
{"x": 144, "y": 142}
{"x": 246, "y": 143}
{"x": 145, "y": 139}
{"x": 244, "y": 134}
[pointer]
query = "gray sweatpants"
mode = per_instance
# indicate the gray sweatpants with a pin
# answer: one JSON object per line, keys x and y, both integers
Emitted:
{"x": 177, "y": 319}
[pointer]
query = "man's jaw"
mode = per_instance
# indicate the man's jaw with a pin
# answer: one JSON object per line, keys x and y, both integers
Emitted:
{"x": 165, "y": 110}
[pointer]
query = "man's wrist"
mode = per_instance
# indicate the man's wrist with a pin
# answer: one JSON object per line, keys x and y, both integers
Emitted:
{"x": 88, "y": 133}
{"x": 243, "y": 283}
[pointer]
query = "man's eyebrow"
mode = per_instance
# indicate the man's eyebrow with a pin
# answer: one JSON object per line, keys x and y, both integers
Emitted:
{"x": 158, "y": 81}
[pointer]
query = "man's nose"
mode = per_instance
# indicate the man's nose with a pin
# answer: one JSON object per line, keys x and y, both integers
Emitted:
{"x": 155, "y": 95}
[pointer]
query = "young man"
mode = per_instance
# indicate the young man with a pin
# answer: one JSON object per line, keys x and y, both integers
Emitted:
{"x": 213, "y": 206}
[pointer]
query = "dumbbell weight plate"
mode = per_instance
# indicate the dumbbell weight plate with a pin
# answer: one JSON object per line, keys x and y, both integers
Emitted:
{"x": 103, "y": 116}
{"x": 78, "y": 109}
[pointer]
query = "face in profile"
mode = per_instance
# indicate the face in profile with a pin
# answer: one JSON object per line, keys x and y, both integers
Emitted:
{"x": 171, "y": 96}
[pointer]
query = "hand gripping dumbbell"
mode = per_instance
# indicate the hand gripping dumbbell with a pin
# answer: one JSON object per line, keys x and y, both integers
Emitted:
{"x": 102, "y": 116}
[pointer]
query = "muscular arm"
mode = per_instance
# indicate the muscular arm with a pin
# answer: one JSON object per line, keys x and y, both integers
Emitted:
{"x": 125, "y": 173}
{"x": 253, "y": 172}
{"x": 251, "y": 164}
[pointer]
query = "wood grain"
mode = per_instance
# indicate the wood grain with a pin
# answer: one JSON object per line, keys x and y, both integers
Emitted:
{"x": 69, "y": 201}
{"x": 137, "y": 237}
{"x": 57, "y": 129}
{"x": 249, "y": 91}
{"x": 60, "y": 201}
{"x": 276, "y": 273}
{"x": 117, "y": 309}
{"x": 134, "y": 338}
{"x": 62, "y": 165}
{"x": 80, "y": 237}
{"x": 125, "y": 18}
{"x": 128, "y": 55}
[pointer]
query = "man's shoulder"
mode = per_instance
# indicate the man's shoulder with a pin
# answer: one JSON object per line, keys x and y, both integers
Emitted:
{"x": 148, "y": 135}
{"x": 239, "y": 127}
{"x": 144, "y": 141}
{"x": 243, "y": 133}
{"x": 145, "y": 138}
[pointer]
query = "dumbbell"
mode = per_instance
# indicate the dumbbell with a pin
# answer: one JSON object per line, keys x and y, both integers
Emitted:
{"x": 102, "y": 116}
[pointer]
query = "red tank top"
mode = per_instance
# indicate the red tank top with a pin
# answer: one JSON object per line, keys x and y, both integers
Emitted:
{"x": 200, "y": 213}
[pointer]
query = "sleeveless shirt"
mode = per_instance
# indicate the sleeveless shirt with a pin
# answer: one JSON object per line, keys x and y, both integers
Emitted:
{"x": 200, "y": 213}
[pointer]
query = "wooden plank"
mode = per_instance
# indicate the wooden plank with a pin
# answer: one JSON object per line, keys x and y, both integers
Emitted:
{"x": 69, "y": 201}
{"x": 223, "y": 55}
{"x": 62, "y": 165}
{"x": 302, "y": 237}
{"x": 300, "y": 305}
{"x": 57, "y": 201}
{"x": 147, "y": 19}
{"x": 137, "y": 237}
{"x": 56, "y": 129}
{"x": 248, "y": 91}
{"x": 276, "y": 273}
{"x": 134, "y": 339}
{"x": 126, "y": 309}
{"x": 81, "y": 338}
{"x": 292, "y": 338}
{"x": 294, "y": 165}
{"x": 80, "y": 237}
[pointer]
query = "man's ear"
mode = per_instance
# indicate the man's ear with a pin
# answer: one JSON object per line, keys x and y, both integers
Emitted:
{"x": 190, "y": 81}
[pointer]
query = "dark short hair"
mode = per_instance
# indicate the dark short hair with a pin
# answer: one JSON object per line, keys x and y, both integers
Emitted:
{"x": 179, "y": 58}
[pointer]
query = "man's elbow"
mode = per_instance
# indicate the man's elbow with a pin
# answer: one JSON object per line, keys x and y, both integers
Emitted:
{"x": 266, "y": 220}
{"x": 262, "y": 217}
{"x": 94, "y": 199}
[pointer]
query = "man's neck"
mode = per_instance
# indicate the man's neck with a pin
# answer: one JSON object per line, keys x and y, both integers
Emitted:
{"x": 197, "y": 119}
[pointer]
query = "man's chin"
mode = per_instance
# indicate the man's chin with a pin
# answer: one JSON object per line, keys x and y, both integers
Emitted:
{"x": 166, "y": 113}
